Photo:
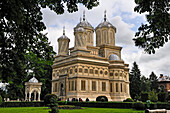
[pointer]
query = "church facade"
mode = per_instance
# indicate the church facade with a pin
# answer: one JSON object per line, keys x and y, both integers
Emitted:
{"x": 87, "y": 71}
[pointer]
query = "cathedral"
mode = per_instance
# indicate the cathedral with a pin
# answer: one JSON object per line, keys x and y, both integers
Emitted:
{"x": 88, "y": 71}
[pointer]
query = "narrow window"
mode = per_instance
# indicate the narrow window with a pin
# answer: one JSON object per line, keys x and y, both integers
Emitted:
{"x": 80, "y": 70}
{"x": 105, "y": 72}
{"x": 110, "y": 87}
{"x": 93, "y": 85}
{"x": 55, "y": 87}
{"x": 117, "y": 87}
{"x": 96, "y": 71}
{"x": 75, "y": 85}
{"x": 101, "y": 72}
{"x": 71, "y": 71}
{"x": 103, "y": 86}
{"x": 91, "y": 71}
{"x": 83, "y": 83}
{"x": 72, "y": 86}
{"x": 121, "y": 87}
{"x": 69, "y": 86}
{"x": 76, "y": 70}
{"x": 85, "y": 70}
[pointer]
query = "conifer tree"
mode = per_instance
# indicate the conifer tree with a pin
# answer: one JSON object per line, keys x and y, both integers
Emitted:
{"x": 135, "y": 81}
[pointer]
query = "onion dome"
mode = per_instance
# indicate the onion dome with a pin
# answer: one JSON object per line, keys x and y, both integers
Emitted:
{"x": 63, "y": 36}
{"x": 80, "y": 29}
{"x": 84, "y": 23}
{"x": 33, "y": 80}
{"x": 105, "y": 23}
{"x": 114, "y": 57}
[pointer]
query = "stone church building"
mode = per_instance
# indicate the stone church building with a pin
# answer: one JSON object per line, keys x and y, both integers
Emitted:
{"x": 88, "y": 71}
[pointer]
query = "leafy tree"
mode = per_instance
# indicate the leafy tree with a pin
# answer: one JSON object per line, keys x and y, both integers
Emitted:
{"x": 153, "y": 96}
{"x": 145, "y": 84}
{"x": 156, "y": 32}
{"x": 21, "y": 36}
{"x": 154, "y": 81}
{"x": 135, "y": 81}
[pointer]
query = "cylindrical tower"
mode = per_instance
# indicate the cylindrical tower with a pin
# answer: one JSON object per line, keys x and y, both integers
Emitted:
{"x": 105, "y": 33}
{"x": 89, "y": 30}
{"x": 80, "y": 38}
{"x": 63, "y": 44}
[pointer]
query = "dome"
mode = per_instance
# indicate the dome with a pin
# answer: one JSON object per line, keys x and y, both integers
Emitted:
{"x": 114, "y": 57}
{"x": 33, "y": 80}
{"x": 105, "y": 23}
{"x": 84, "y": 23}
{"x": 80, "y": 29}
{"x": 63, "y": 36}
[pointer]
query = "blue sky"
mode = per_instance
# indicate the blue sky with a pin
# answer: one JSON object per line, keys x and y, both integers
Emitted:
{"x": 121, "y": 14}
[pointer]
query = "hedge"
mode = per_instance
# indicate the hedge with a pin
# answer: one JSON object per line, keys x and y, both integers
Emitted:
{"x": 22, "y": 104}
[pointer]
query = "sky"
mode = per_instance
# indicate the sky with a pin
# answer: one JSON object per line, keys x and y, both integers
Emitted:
{"x": 121, "y": 14}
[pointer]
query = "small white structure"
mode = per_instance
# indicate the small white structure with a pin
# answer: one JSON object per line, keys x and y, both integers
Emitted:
{"x": 32, "y": 89}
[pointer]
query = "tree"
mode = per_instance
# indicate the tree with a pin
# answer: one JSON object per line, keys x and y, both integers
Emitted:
{"x": 21, "y": 35}
{"x": 154, "y": 81}
{"x": 135, "y": 81}
{"x": 156, "y": 32}
{"x": 145, "y": 84}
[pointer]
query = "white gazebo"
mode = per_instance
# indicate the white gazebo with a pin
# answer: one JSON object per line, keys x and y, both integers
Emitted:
{"x": 32, "y": 89}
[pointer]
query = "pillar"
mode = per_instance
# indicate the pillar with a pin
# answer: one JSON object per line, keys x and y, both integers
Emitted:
{"x": 34, "y": 96}
{"x": 25, "y": 96}
{"x": 29, "y": 96}
{"x": 38, "y": 96}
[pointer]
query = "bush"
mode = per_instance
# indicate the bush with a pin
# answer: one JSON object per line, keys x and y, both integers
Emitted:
{"x": 128, "y": 100}
{"x": 48, "y": 97}
{"x": 139, "y": 106}
{"x": 161, "y": 96}
{"x": 144, "y": 96}
{"x": 53, "y": 104}
{"x": 153, "y": 96}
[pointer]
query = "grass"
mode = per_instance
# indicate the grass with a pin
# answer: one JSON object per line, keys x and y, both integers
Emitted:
{"x": 84, "y": 110}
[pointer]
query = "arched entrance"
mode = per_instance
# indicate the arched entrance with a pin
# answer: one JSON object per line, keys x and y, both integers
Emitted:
{"x": 102, "y": 98}
{"x": 61, "y": 89}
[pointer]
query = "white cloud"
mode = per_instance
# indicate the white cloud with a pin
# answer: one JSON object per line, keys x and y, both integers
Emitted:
{"x": 119, "y": 12}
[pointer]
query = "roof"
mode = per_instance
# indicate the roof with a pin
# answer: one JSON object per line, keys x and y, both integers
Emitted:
{"x": 164, "y": 78}
{"x": 33, "y": 80}
{"x": 114, "y": 57}
{"x": 105, "y": 23}
{"x": 84, "y": 23}
{"x": 63, "y": 36}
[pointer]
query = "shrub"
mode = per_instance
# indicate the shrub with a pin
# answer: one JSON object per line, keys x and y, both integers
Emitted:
{"x": 153, "y": 96}
{"x": 48, "y": 97}
{"x": 144, "y": 96}
{"x": 161, "y": 96}
{"x": 139, "y": 106}
{"x": 128, "y": 100}
{"x": 53, "y": 104}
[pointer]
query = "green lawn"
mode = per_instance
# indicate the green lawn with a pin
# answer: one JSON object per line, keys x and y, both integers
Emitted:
{"x": 84, "y": 110}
